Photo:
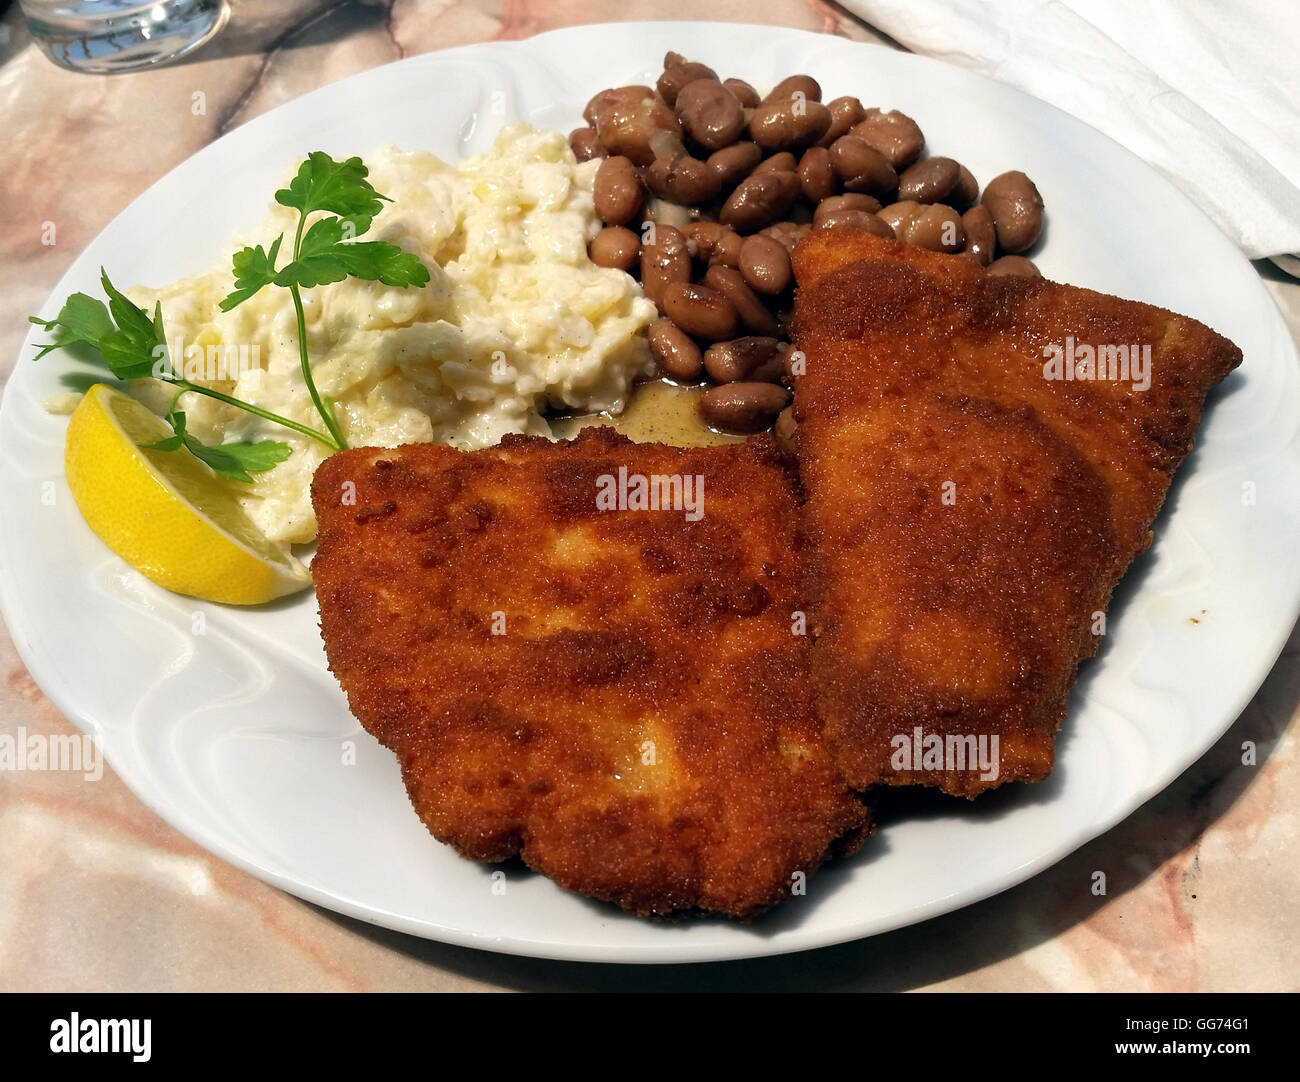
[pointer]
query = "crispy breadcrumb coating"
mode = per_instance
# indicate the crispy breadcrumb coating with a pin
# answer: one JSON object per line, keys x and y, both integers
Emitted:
{"x": 616, "y": 696}
{"x": 967, "y": 518}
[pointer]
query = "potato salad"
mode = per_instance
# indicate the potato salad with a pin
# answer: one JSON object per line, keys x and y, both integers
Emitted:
{"x": 515, "y": 319}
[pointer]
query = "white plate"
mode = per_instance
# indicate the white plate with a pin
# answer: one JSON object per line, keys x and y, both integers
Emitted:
{"x": 235, "y": 737}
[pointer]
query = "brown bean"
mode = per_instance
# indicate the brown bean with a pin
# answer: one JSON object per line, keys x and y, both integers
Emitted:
{"x": 710, "y": 114}
{"x": 845, "y": 113}
{"x": 849, "y": 201}
{"x": 795, "y": 84}
{"x": 733, "y": 164}
{"x": 854, "y": 219}
{"x": 705, "y": 238}
{"x": 618, "y": 95}
{"x": 938, "y": 228}
{"x": 585, "y": 145}
{"x": 615, "y": 246}
{"x": 771, "y": 370}
{"x": 965, "y": 191}
{"x": 789, "y": 123}
{"x": 753, "y": 313}
{"x": 626, "y": 127}
{"x": 727, "y": 362}
{"x": 678, "y": 76}
{"x": 727, "y": 251}
{"x": 665, "y": 260}
{"x": 1014, "y": 266}
{"x": 933, "y": 226}
{"x": 765, "y": 264}
{"x": 784, "y": 162}
{"x": 981, "y": 237}
{"x": 861, "y": 166}
{"x": 676, "y": 354}
{"x": 682, "y": 179}
{"x": 900, "y": 216}
{"x": 929, "y": 181}
{"x": 788, "y": 234}
{"x": 743, "y": 408}
{"x": 745, "y": 94}
{"x": 617, "y": 191}
{"x": 700, "y": 311}
{"x": 758, "y": 200}
{"x": 1017, "y": 210}
{"x": 894, "y": 134}
{"x": 785, "y": 428}
{"x": 816, "y": 177}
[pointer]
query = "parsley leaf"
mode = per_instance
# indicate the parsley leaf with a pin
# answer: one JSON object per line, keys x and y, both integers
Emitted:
{"x": 254, "y": 268}
{"x": 235, "y": 461}
{"x": 326, "y": 257}
{"x": 81, "y": 319}
{"x": 138, "y": 343}
{"x": 338, "y": 187}
{"x": 238, "y": 460}
{"x": 130, "y": 342}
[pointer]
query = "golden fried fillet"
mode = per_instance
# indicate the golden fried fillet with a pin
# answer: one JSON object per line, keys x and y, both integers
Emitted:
{"x": 615, "y": 695}
{"x": 967, "y": 517}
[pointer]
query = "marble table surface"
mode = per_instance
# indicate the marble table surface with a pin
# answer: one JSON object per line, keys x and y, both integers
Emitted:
{"x": 97, "y": 893}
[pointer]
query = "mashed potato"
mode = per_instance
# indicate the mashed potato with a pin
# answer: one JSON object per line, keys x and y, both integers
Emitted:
{"x": 514, "y": 318}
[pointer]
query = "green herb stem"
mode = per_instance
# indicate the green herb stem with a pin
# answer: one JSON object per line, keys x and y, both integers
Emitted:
{"x": 320, "y": 437}
{"x": 326, "y": 412}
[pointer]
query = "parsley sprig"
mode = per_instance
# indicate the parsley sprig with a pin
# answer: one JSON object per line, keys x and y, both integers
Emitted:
{"x": 327, "y": 252}
{"x": 133, "y": 345}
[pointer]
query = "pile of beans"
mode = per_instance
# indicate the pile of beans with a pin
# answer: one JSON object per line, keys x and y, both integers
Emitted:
{"x": 706, "y": 187}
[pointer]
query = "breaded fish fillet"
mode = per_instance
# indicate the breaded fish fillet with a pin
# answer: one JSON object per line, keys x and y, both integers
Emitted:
{"x": 615, "y": 695}
{"x": 967, "y": 517}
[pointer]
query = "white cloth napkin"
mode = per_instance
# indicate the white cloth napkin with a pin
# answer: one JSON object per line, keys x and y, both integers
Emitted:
{"x": 1209, "y": 94}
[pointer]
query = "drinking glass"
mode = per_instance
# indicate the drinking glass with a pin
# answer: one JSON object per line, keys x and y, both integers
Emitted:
{"x": 120, "y": 35}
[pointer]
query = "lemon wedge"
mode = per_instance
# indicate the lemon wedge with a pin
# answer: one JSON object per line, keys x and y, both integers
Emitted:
{"x": 164, "y": 512}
